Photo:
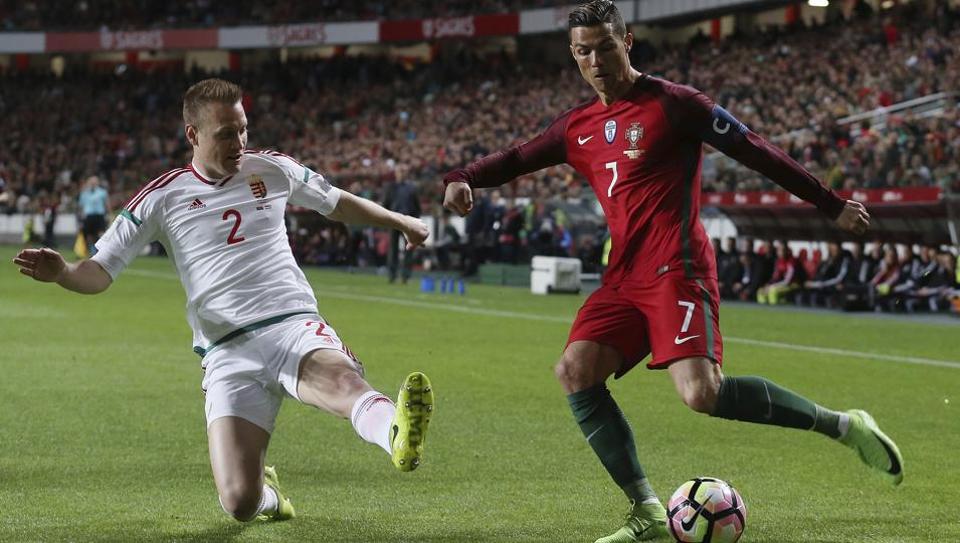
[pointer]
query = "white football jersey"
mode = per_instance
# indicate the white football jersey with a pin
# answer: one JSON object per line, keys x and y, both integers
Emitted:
{"x": 227, "y": 239}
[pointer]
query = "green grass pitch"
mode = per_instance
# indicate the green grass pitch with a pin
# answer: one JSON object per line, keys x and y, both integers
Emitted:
{"x": 102, "y": 428}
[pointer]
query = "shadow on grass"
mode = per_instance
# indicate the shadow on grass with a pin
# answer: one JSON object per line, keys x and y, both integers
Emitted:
{"x": 221, "y": 532}
{"x": 355, "y": 530}
{"x": 141, "y": 532}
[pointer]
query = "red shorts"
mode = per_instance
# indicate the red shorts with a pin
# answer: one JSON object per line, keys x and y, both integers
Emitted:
{"x": 673, "y": 317}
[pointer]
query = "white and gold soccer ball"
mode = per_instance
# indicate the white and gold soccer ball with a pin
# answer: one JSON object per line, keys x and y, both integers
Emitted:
{"x": 706, "y": 510}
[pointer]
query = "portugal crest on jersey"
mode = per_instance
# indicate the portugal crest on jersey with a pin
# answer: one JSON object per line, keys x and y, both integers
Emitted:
{"x": 634, "y": 134}
{"x": 258, "y": 187}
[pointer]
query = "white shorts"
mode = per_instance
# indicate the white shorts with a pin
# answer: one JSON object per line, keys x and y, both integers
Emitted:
{"x": 248, "y": 375}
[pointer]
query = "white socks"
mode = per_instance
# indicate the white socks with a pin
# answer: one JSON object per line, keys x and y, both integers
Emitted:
{"x": 371, "y": 416}
{"x": 843, "y": 425}
{"x": 268, "y": 504}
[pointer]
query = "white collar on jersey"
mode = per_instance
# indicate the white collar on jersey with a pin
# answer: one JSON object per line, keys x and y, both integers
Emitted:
{"x": 206, "y": 176}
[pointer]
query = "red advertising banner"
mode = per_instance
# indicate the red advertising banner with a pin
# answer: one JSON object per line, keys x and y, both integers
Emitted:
{"x": 453, "y": 27}
{"x": 908, "y": 215}
{"x": 109, "y": 40}
{"x": 911, "y": 195}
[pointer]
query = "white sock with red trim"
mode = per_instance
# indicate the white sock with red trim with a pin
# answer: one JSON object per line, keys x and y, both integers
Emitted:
{"x": 371, "y": 417}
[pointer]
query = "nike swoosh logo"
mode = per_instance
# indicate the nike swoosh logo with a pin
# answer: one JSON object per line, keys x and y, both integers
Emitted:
{"x": 688, "y": 523}
{"x": 769, "y": 403}
{"x": 581, "y": 140}
{"x": 894, "y": 463}
{"x": 677, "y": 340}
{"x": 593, "y": 433}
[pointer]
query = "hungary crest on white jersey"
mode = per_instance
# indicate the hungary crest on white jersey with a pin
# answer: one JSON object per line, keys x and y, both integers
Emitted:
{"x": 226, "y": 237}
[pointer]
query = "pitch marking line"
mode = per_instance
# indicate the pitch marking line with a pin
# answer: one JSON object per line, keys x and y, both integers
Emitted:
{"x": 547, "y": 318}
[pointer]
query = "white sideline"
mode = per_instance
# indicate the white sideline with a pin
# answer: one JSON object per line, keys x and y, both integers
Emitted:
{"x": 565, "y": 320}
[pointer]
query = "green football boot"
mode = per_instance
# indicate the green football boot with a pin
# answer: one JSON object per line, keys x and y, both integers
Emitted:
{"x": 409, "y": 428}
{"x": 284, "y": 507}
{"x": 644, "y": 522}
{"x": 873, "y": 446}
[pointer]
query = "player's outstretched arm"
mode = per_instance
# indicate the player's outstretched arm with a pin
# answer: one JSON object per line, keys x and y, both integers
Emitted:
{"x": 353, "y": 209}
{"x": 547, "y": 149}
{"x": 46, "y": 265}
{"x": 703, "y": 119}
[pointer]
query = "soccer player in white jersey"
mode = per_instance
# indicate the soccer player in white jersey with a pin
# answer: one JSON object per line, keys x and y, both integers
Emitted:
{"x": 254, "y": 316}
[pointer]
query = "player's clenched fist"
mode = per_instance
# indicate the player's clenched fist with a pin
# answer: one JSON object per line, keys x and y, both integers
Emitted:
{"x": 458, "y": 198}
{"x": 854, "y": 218}
{"x": 41, "y": 264}
{"x": 415, "y": 231}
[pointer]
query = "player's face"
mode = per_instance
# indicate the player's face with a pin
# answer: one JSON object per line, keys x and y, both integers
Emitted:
{"x": 602, "y": 56}
{"x": 220, "y": 138}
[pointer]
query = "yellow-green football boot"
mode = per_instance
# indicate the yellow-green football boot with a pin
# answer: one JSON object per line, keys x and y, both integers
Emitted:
{"x": 873, "y": 446}
{"x": 410, "y": 423}
{"x": 644, "y": 522}
{"x": 285, "y": 509}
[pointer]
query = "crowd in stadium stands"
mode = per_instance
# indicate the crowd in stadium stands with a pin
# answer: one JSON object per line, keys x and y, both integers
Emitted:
{"x": 143, "y": 14}
{"x": 361, "y": 120}
{"x": 883, "y": 278}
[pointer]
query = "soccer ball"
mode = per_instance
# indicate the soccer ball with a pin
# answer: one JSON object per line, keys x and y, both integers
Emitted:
{"x": 706, "y": 510}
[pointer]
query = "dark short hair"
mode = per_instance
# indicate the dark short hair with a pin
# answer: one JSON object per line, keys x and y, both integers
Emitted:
{"x": 208, "y": 91}
{"x": 597, "y": 12}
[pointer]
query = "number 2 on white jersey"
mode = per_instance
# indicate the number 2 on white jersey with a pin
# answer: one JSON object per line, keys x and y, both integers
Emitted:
{"x": 233, "y": 237}
{"x": 611, "y": 166}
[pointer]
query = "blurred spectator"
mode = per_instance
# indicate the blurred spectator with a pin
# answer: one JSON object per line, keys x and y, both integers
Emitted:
{"x": 856, "y": 291}
{"x": 788, "y": 275}
{"x": 479, "y": 227}
{"x": 728, "y": 267}
{"x": 510, "y": 235}
{"x": 447, "y": 242}
{"x": 908, "y": 269}
{"x": 915, "y": 273}
{"x": 829, "y": 278}
{"x": 864, "y": 264}
{"x": 94, "y": 204}
{"x": 888, "y": 275}
{"x": 763, "y": 264}
{"x": 401, "y": 197}
{"x": 48, "y": 208}
{"x": 936, "y": 285}
{"x": 745, "y": 287}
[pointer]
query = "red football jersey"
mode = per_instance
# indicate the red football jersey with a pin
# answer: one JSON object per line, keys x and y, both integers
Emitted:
{"x": 642, "y": 154}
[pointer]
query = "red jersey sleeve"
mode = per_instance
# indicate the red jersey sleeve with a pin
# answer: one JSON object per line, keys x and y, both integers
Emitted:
{"x": 547, "y": 149}
{"x": 697, "y": 116}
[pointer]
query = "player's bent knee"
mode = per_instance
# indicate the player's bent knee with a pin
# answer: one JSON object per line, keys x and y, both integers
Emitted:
{"x": 241, "y": 504}
{"x": 701, "y": 395}
{"x": 573, "y": 375}
{"x": 700, "y": 401}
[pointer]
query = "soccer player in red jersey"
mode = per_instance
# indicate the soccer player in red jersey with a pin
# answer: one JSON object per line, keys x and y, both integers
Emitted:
{"x": 639, "y": 144}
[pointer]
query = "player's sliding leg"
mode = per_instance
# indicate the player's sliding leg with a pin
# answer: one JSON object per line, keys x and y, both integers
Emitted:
{"x": 704, "y": 388}
{"x": 582, "y": 372}
{"x": 332, "y": 381}
{"x": 237, "y": 451}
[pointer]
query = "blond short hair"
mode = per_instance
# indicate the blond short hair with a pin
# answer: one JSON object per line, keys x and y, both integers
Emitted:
{"x": 205, "y": 92}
